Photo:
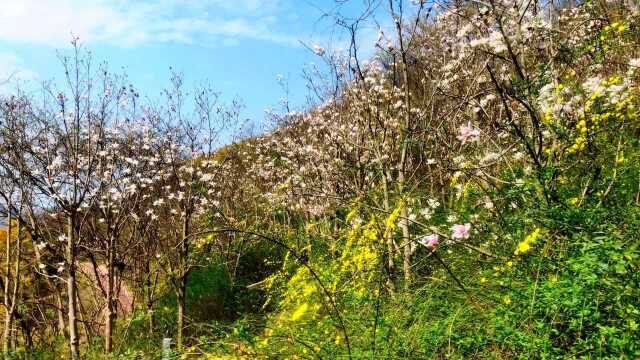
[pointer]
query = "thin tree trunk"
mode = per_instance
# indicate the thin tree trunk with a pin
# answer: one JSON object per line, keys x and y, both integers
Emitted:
{"x": 110, "y": 314}
{"x": 7, "y": 269}
{"x": 180, "y": 295}
{"x": 181, "y": 291}
{"x": 6, "y": 339}
{"x": 16, "y": 285}
{"x": 149, "y": 299}
{"x": 404, "y": 215}
{"x": 391, "y": 266}
{"x": 151, "y": 316}
{"x": 406, "y": 236}
{"x": 402, "y": 166}
{"x": 74, "y": 346}
{"x": 11, "y": 298}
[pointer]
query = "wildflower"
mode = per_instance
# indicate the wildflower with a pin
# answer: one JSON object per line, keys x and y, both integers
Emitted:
{"x": 468, "y": 133}
{"x": 430, "y": 241}
{"x": 426, "y": 213}
{"x": 461, "y": 231}
{"x": 525, "y": 245}
{"x": 433, "y": 203}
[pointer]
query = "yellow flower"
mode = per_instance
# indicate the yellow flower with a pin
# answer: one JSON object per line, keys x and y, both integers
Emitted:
{"x": 351, "y": 215}
{"x": 509, "y": 263}
{"x": 622, "y": 28}
{"x": 507, "y": 300}
{"x": 300, "y": 311}
{"x": 548, "y": 116}
{"x": 523, "y": 247}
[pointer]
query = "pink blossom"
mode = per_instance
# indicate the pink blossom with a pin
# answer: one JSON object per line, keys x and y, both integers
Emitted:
{"x": 430, "y": 241}
{"x": 468, "y": 133}
{"x": 318, "y": 50}
{"x": 461, "y": 231}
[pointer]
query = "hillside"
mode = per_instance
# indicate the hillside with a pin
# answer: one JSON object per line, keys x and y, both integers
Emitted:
{"x": 472, "y": 192}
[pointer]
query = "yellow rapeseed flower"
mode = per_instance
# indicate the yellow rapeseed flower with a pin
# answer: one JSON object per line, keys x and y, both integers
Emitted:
{"x": 300, "y": 311}
{"x": 525, "y": 245}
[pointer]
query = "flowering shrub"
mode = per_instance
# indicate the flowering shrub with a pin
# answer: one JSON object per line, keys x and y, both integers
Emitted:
{"x": 521, "y": 129}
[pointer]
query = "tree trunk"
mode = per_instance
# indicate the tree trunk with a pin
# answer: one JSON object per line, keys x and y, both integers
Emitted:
{"x": 7, "y": 317}
{"x": 404, "y": 221}
{"x": 149, "y": 301}
{"x": 181, "y": 291}
{"x": 16, "y": 283}
{"x": 391, "y": 267}
{"x": 406, "y": 238}
{"x": 6, "y": 336}
{"x": 11, "y": 283}
{"x": 74, "y": 346}
{"x": 11, "y": 302}
{"x": 151, "y": 315}
{"x": 181, "y": 297}
{"x": 110, "y": 314}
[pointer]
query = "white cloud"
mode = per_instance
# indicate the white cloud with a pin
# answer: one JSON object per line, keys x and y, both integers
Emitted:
{"x": 131, "y": 23}
{"x": 12, "y": 68}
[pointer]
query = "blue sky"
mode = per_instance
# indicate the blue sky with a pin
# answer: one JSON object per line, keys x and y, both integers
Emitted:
{"x": 239, "y": 46}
